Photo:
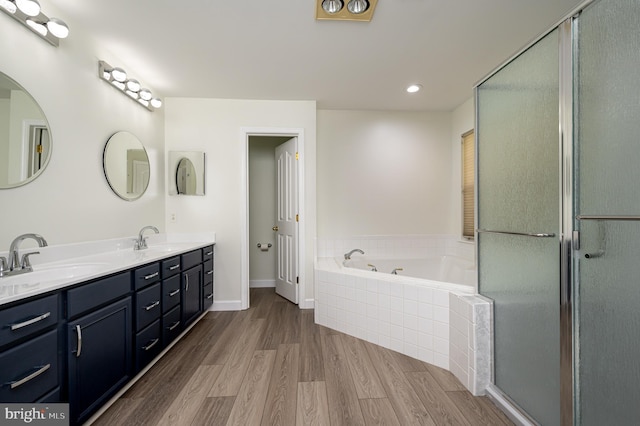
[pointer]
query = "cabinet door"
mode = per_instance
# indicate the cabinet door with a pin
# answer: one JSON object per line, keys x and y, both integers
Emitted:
{"x": 191, "y": 294}
{"x": 99, "y": 357}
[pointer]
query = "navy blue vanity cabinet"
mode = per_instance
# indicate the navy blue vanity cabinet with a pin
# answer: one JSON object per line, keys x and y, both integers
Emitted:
{"x": 99, "y": 336}
{"x": 207, "y": 289}
{"x": 191, "y": 294}
{"x": 29, "y": 357}
{"x": 148, "y": 312}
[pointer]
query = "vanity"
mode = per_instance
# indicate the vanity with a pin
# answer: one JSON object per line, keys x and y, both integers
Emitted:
{"x": 79, "y": 328}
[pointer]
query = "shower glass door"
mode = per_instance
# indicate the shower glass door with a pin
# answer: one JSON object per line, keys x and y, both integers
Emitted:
{"x": 518, "y": 225}
{"x": 607, "y": 200}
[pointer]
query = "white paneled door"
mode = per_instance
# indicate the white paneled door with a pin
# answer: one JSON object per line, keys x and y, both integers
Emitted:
{"x": 287, "y": 220}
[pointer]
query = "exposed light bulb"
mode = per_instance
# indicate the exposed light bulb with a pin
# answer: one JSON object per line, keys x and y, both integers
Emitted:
{"x": 29, "y": 7}
{"x": 414, "y": 88}
{"x": 332, "y": 6}
{"x": 9, "y": 6}
{"x": 134, "y": 95}
{"x": 40, "y": 28}
{"x": 118, "y": 84}
{"x": 119, "y": 74}
{"x": 156, "y": 103}
{"x": 58, "y": 28}
{"x": 133, "y": 85}
{"x": 358, "y": 6}
{"x": 145, "y": 94}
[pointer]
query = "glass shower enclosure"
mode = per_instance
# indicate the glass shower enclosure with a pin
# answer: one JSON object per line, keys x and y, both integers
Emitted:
{"x": 559, "y": 217}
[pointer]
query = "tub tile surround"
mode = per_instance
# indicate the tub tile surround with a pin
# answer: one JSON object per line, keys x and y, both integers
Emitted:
{"x": 446, "y": 325}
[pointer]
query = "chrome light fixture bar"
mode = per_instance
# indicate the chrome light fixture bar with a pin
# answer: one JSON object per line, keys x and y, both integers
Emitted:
{"x": 117, "y": 77}
{"x": 355, "y": 10}
{"x": 29, "y": 14}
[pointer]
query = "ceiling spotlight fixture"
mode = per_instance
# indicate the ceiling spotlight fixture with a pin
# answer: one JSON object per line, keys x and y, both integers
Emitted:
{"x": 355, "y": 10}
{"x": 332, "y": 6}
{"x": 29, "y": 14}
{"x": 117, "y": 77}
{"x": 29, "y": 7}
{"x": 414, "y": 88}
{"x": 358, "y": 6}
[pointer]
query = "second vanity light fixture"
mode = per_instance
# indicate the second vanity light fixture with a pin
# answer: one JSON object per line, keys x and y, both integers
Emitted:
{"x": 345, "y": 10}
{"x": 28, "y": 13}
{"x": 117, "y": 77}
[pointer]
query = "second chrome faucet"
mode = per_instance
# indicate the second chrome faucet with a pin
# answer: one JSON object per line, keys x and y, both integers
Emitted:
{"x": 141, "y": 242}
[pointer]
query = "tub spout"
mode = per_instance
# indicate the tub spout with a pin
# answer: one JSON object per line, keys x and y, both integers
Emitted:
{"x": 347, "y": 256}
{"x": 395, "y": 271}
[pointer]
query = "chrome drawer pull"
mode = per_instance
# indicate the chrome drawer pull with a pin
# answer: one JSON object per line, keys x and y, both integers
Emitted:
{"x": 79, "y": 331}
{"x": 151, "y": 345}
{"x": 152, "y": 305}
{"x": 173, "y": 326}
{"x": 210, "y": 272}
{"x": 173, "y": 293}
{"x": 31, "y": 321}
{"x": 209, "y": 253}
{"x": 210, "y": 296}
{"x": 174, "y": 267}
{"x": 39, "y": 371}
{"x": 148, "y": 277}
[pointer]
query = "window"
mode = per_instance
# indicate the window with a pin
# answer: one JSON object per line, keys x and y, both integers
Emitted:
{"x": 468, "y": 184}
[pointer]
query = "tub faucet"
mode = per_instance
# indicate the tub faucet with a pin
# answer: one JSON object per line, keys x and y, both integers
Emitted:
{"x": 395, "y": 271}
{"x": 141, "y": 242}
{"x": 16, "y": 266}
{"x": 347, "y": 256}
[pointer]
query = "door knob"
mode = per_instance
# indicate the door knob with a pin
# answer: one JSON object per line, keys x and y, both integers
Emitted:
{"x": 275, "y": 228}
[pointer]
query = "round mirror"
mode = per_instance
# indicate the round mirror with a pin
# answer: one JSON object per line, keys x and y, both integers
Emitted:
{"x": 126, "y": 166}
{"x": 186, "y": 177}
{"x": 25, "y": 139}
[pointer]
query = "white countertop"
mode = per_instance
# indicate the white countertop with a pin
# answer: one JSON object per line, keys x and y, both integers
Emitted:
{"x": 57, "y": 267}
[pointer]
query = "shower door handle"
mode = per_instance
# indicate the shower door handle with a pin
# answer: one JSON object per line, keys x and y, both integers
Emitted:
{"x": 522, "y": 234}
{"x": 611, "y": 217}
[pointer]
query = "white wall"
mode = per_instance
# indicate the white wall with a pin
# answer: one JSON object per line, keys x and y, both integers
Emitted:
{"x": 215, "y": 126}
{"x": 384, "y": 173}
{"x": 71, "y": 201}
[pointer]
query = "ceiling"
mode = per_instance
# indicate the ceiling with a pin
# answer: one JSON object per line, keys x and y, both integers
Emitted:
{"x": 276, "y": 50}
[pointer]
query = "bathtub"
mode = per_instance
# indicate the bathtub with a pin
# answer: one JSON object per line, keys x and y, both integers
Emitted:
{"x": 442, "y": 269}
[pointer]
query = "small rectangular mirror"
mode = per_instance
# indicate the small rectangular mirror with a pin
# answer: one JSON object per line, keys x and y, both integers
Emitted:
{"x": 186, "y": 173}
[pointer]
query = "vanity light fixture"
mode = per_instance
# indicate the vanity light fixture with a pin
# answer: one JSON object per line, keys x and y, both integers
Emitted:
{"x": 355, "y": 10}
{"x": 117, "y": 77}
{"x": 28, "y": 13}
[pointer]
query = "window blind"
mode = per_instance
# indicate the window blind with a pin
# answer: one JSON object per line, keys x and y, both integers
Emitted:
{"x": 468, "y": 184}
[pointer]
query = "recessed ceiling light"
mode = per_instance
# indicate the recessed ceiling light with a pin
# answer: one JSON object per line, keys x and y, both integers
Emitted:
{"x": 414, "y": 88}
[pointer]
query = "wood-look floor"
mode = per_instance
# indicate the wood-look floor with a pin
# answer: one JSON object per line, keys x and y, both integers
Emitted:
{"x": 271, "y": 365}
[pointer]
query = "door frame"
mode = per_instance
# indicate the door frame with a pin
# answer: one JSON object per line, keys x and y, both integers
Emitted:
{"x": 245, "y": 133}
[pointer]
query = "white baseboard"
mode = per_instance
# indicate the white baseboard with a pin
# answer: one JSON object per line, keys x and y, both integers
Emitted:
{"x": 307, "y": 304}
{"x": 226, "y": 305}
{"x": 262, "y": 283}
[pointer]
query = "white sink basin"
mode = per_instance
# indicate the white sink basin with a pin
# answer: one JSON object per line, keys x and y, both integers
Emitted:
{"x": 168, "y": 247}
{"x": 56, "y": 273}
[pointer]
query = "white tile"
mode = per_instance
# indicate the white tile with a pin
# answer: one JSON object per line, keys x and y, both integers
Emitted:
{"x": 397, "y": 332}
{"x": 383, "y": 288}
{"x": 372, "y": 337}
{"x": 410, "y": 350}
{"x": 425, "y": 355}
{"x": 372, "y": 285}
{"x": 372, "y": 298}
{"x": 410, "y": 322}
{"x": 384, "y": 302}
{"x": 396, "y": 304}
{"x": 410, "y": 336}
{"x": 396, "y": 318}
{"x": 441, "y": 330}
{"x": 441, "y": 346}
{"x": 425, "y": 325}
{"x": 410, "y": 292}
{"x": 441, "y": 298}
{"x": 384, "y": 328}
{"x": 384, "y": 314}
{"x": 425, "y": 310}
{"x": 395, "y": 290}
{"x": 441, "y": 361}
{"x": 396, "y": 345}
{"x": 411, "y": 307}
{"x": 425, "y": 295}
{"x": 425, "y": 341}
{"x": 441, "y": 314}
{"x": 372, "y": 312}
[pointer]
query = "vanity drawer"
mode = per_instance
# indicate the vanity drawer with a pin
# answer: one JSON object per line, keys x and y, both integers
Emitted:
{"x": 171, "y": 326}
{"x": 170, "y": 293}
{"x": 148, "y": 307}
{"x": 146, "y": 275}
{"x": 191, "y": 259}
{"x": 148, "y": 344}
{"x": 207, "y": 296}
{"x": 27, "y": 318}
{"x": 208, "y": 272}
{"x": 170, "y": 267}
{"x": 92, "y": 295}
{"x": 207, "y": 253}
{"x": 30, "y": 368}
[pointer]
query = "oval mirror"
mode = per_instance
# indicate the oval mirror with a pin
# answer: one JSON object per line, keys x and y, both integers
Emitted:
{"x": 126, "y": 166}
{"x": 25, "y": 139}
{"x": 186, "y": 177}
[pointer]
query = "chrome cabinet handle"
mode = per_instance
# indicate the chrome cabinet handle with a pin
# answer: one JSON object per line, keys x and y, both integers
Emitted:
{"x": 173, "y": 293}
{"x": 152, "y": 305}
{"x": 173, "y": 326}
{"x": 186, "y": 278}
{"x": 31, "y": 321}
{"x": 79, "y": 332}
{"x": 39, "y": 371}
{"x": 174, "y": 267}
{"x": 151, "y": 345}
{"x": 210, "y": 296}
{"x": 148, "y": 277}
{"x": 210, "y": 272}
{"x": 209, "y": 253}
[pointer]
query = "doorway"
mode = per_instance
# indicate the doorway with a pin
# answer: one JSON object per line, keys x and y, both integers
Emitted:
{"x": 265, "y": 243}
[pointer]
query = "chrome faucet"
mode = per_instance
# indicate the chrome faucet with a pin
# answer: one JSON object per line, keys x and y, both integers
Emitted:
{"x": 347, "y": 256}
{"x": 15, "y": 265}
{"x": 395, "y": 271}
{"x": 141, "y": 242}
